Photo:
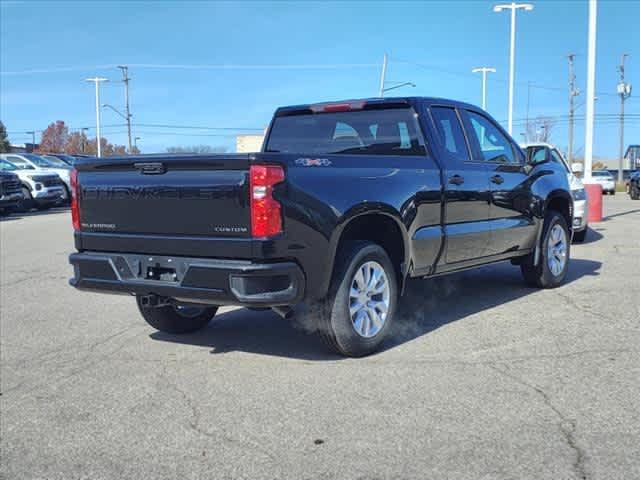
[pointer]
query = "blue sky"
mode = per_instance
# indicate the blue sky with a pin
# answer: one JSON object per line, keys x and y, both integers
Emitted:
{"x": 216, "y": 64}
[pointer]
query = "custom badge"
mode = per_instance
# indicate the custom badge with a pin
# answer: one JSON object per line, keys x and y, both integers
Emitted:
{"x": 313, "y": 162}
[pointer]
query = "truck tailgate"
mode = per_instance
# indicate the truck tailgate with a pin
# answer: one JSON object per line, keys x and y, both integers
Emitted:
{"x": 167, "y": 196}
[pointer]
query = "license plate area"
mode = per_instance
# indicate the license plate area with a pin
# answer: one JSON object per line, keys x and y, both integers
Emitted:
{"x": 163, "y": 274}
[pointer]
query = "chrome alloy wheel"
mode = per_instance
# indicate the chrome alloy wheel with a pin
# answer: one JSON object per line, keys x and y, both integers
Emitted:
{"x": 369, "y": 299}
{"x": 557, "y": 250}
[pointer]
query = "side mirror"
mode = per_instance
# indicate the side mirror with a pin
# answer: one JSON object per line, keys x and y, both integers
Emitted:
{"x": 576, "y": 167}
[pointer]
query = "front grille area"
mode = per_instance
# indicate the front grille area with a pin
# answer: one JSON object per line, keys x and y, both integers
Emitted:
{"x": 47, "y": 180}
{"x": 7, "y": 187}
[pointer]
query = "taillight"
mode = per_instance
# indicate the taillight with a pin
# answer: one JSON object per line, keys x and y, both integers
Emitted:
{"x": 75, "y": 208}
{"x": 266, "y": 218}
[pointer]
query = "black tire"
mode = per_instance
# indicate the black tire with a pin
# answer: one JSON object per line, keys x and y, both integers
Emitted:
{"x": 634, "y": 193}
{"x": 331, "y": 316}
{"x": 613, "y": 192}
{"x": 541, "y": 275}
{"x": 578, "y": 237}
{"x": 169, "y": 318}
{"x": 26, "y": 203}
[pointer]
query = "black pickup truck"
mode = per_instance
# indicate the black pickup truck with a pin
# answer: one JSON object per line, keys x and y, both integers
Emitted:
{"x": 345, "y": 202}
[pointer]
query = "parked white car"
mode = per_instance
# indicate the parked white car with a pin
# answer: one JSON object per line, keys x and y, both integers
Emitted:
{"x": 41, "y": 188}
{"x": 604, "y": 178}
{"x": 31, "y": 161}
{"x": 540, "y": 151}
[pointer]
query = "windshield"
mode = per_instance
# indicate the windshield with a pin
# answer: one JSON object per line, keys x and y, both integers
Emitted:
{"x": 38, "y": 160}
{"x": 20, "y": 162}
{"x": 372, "y": 132}
{"x": 4, "y": 165}
{"x": 601, "y": 174}
{"x": 56, "y": 162}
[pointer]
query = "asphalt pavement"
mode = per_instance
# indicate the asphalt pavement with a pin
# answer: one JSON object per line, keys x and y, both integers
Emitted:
{"x": 484, "y": 379}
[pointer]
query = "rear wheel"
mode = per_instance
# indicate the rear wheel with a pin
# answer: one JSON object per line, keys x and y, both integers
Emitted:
{"x": 177, "y": 318}
{"x": 553, "y": 263}
{"x": 355, "y": 317}
{"x": 634, "y": 192}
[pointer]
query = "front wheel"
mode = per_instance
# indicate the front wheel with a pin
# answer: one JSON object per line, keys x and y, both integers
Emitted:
{"x": 176, "y": 318}
{"x": 355, "y": 317}
{"x": 634, "y": 193}
{"x": 553, "y": 263}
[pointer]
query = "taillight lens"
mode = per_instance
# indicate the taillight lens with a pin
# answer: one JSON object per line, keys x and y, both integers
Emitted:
{"x": 266, "y": 217}
{"x": 75, "y": 208}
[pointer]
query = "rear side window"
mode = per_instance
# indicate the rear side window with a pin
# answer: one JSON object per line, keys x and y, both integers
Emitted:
{"x": 450, "y": 131}
{"x": 370, "y": 132}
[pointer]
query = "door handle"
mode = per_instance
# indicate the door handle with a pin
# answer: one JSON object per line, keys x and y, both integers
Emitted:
{"x": 456, "y": 180}
{"x": 497, "y": 179}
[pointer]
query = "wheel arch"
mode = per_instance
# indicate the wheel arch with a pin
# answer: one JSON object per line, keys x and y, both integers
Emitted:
{"x": 381, "y": 225}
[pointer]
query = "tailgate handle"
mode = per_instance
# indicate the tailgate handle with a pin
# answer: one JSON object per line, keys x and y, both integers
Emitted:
{"x": 150, "y": 168}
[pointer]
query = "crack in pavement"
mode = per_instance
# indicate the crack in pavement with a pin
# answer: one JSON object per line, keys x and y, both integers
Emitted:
{"x": 566, "y": 425}
{"x": 194, "y": 424}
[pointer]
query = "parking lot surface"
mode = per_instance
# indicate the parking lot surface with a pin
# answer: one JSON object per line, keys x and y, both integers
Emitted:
{"x": 485, "y": 378}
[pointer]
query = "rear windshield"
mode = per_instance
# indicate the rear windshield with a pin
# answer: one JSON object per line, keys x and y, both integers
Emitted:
{"x": 601, "y": 174}
{"x": 370, "y": 132}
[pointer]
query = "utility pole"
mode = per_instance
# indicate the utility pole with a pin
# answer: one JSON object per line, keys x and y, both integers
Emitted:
{"x": 526, "y": 128}
{"x": 383, "y": 74}
{"x": 125, "y": 80}
{"x": 484, "y": 71}
{"x": 624, "y": 90}
{"x": 573, "y": 92}
{"x": 97, "y": 81}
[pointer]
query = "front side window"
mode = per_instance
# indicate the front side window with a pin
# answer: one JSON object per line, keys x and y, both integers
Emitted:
{"x": 450, "y": 131}
{"x": 493, "y": 144}
{"x": 393, "y": 131}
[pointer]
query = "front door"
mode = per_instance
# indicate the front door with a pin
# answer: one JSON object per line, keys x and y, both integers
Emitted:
{"x": 512, "y": 221}
{"x": 467, "y": 192}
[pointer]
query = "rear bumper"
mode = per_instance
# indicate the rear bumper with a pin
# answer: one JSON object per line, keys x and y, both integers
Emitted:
{"x": 195, "y": 280}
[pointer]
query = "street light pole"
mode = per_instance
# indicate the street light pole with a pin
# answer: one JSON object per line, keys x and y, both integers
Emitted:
{"x": 97, "y": 81}
{"x": 385, "y": 60}
{"x": 484, "y": 71}
{"x": 33, "y": 139}
{"x": 591, "y": 88}
{"x": 527, "y": 7}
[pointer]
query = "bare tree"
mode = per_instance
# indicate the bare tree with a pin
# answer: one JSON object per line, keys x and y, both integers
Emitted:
{"x": 539, "y": 129}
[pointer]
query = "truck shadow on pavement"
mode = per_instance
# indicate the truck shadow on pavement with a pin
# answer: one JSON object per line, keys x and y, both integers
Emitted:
{"x": 425, "y": 306}
{"x": 33, "y": 213}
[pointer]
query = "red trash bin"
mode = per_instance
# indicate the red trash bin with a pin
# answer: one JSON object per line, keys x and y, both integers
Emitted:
{"x": 594, "y": 196}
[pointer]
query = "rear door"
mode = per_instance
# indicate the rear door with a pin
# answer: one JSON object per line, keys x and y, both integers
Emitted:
{"x": 467, "y": 222}
{"x": 512, "y": 220}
